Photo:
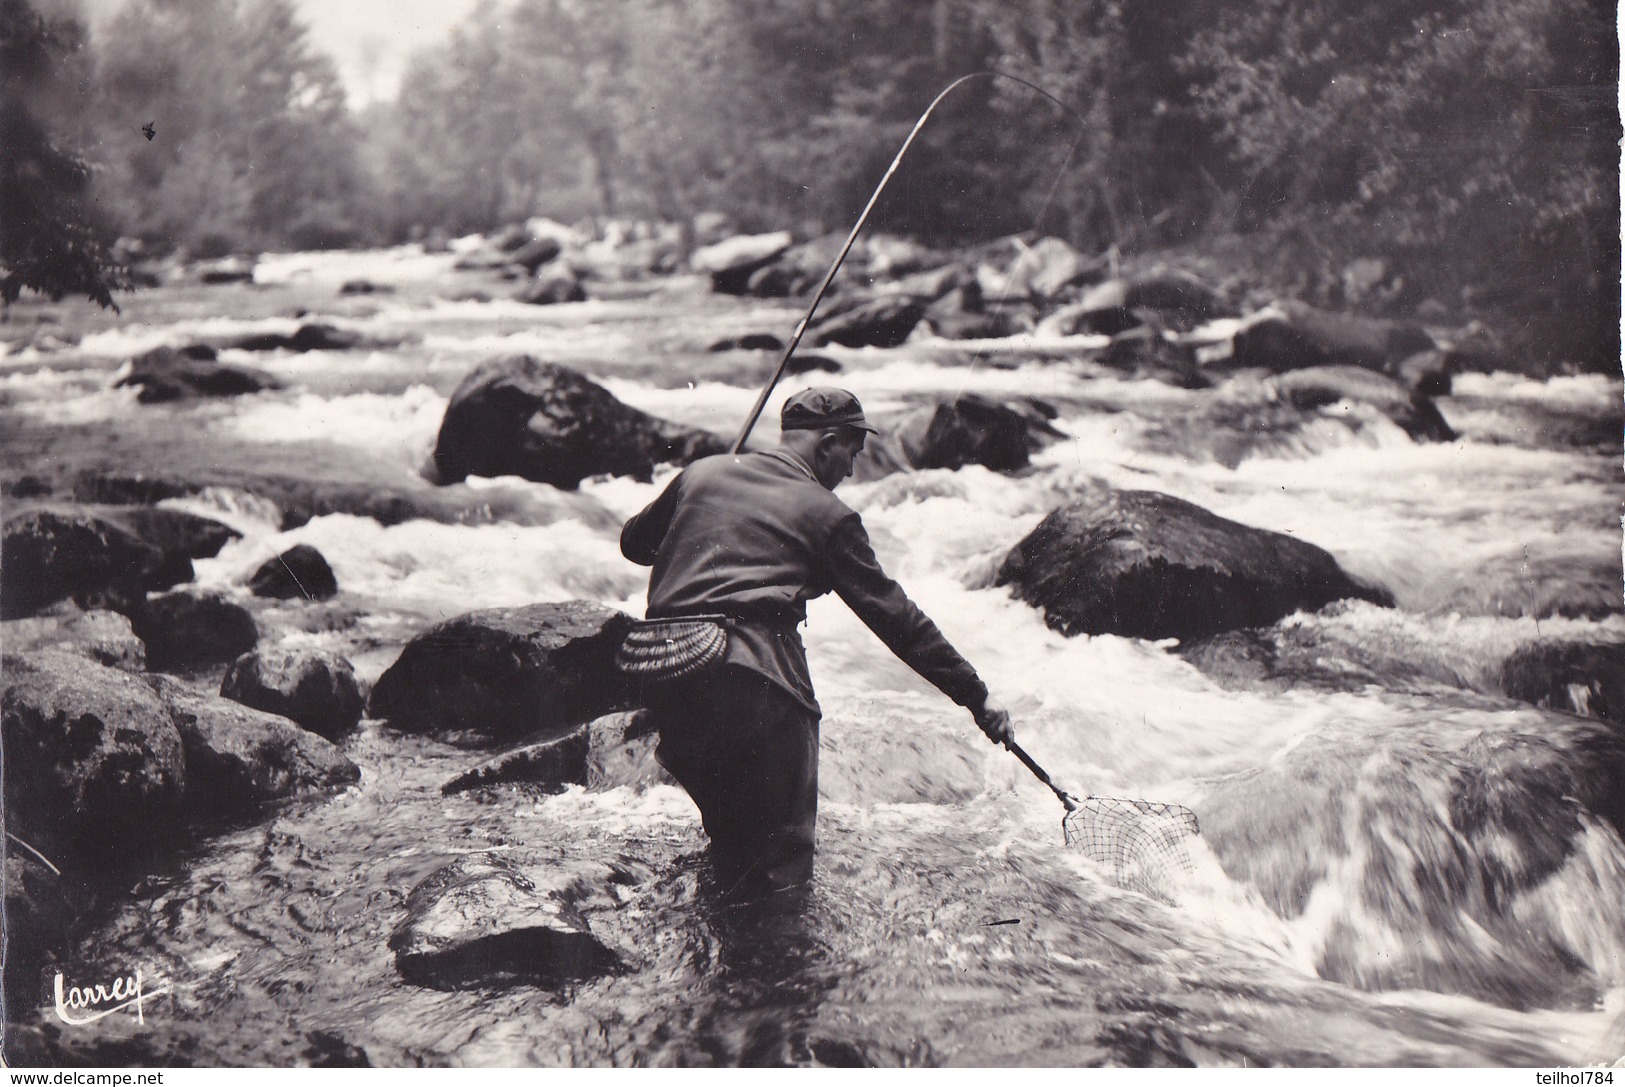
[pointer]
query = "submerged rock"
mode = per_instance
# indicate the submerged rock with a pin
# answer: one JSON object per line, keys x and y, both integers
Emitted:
{"x": 239, "y": 759}
{"x": 877, "y": 322}
{"x": 607, "y": 753}
{"x": 522, "y": 416}
{"x": 1147, "y": 565}
{"x": 93, "y": 760}
{"x": 186, "y": 630}
{"x": 165, "y": 375}
{"x": 968, "y": 429}
{"x": 1293, "y": 335}
{"x": 318, "y": 690}
{"x": 480, "y": 921}
{"x": 1317, "y": 387}
{"x": 552, "y": 285}
{"x": 52, "y": 553}
{"x": 299, "y": 572}
{"x": 1574, "y": 677}
{"x": 310, "y": 337}
{"x": 507, "y": 673}
{"x": 103, "y": 636}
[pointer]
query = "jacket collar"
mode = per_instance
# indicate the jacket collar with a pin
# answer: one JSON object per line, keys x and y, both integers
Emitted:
{"x": 793, "y": 459}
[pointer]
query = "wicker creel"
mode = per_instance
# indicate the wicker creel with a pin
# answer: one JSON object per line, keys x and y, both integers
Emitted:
{"x": 659, "y": 650}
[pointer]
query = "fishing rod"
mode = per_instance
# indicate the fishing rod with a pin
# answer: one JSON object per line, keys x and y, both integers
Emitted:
{"x": 829, "y": 276}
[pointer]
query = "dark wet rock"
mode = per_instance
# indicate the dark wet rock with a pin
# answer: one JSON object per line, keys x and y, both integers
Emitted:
{"x": 961, "y": 314}
{"x": 552, "y": 285}
{"x": 316, "y": 689}
{"x": 365, "y": 286}
{"x": 928, "y": 286}
{"x": 732, "y": 262}
{"x": 525, "y": 417}
{"x": 52, "y": 553}
{"x": 507, "y": 673}
{"x": 185, "y": 630}
{"x": 165, "y": 375}
{"x": 1574, "y": 677}
{"x": 301, "y": 572}
{"x": 1317, "y": 387}
{"x": 239, "y": 759}
{"x": 175, "y": 532}
{"x": 1165, "y": 300}
{"x": 751, "y": 341}
{"x": 875, "y": 322}
{"x": 103, "y": 636}
{"x": 1296, "y": 336}
{"x": 29, "y": 486}
{"x": 968, "y": 429}
{"x": 93, "y": 760}
{"x": 39, "y": 912}
{"x": 225, "y": 270}
{"x": 1147, "y": 565}
{"x": 606, "y": 753}
{"x": 309, "y": 337}
{"x": 806, "y": 364}
{"x": 482, "y": 260}
{"x": 1147, "y": 353}
{"x": 137, "y": 489}
{"x": 535, "y": 253}
{"x": 481, "y": 921}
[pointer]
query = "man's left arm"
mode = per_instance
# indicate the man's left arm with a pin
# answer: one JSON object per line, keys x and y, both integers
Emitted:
{"x": 857, "y": 578}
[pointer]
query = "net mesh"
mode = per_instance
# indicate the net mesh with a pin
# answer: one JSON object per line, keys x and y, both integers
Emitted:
{"x": 1142, "y": 845}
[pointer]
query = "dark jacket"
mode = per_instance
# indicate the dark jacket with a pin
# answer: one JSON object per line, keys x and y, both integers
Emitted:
{"x": 756, "y": 536}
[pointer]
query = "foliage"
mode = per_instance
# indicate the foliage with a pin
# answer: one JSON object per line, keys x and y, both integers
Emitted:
{"x": 253, "y": 143}
{"x": 48, "y": 241}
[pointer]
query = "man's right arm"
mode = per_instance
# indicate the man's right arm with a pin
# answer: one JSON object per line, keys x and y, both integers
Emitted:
{"x": 642, "y": 534}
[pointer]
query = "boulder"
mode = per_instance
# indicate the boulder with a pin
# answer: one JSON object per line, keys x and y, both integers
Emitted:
{"x": 806, "y": 364}
{"x": 552, "y": 285}
{"x": 316, "y": 689}
{"x": 364, "y": 286}
{"x": 731, "y": 263}
{"x": 1048, "y": 268}
{"x": 39, "y": 914}
{"x": 300, "y": 571}
{"x": 1318, "y": 387}
{"x": 239, "y": 759}
{"x": 175, "y": 532}
{"x": 165, "y": 375}
{"x": 931, "y": 285}
{"x": 1146, "y": 352}
{"x": 102, "y": 636}
{"x": 1147, "y": 565}
{"x": 52, "y": 553}
{"x": 225, "y": 270}
{"x": 309, "y": 337}
{"x": 481, "y": 921}
{"x": 1574, "y": 677}
{"x": 606, "y": 753}
{"x": 751, "y": 341}
{"x": 889, "y": 255}
{"x": 535, "y": 253}
{"x": 967, "y": 429}
{"x": 521, "y": 416}
{"x": 93, "y": 761}
{"x": 1292, "y": 336}
{"x": 877, "y": 322}
{"x": 185, "y": 630}
{"x": 1429, "y": 373}
{"x": 506, "y": 674}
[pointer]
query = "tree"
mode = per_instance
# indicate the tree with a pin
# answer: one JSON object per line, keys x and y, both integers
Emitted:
{"x": 48, "y": 241}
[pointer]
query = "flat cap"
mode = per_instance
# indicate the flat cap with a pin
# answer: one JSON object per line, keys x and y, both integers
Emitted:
{"x": 822, "y": 408}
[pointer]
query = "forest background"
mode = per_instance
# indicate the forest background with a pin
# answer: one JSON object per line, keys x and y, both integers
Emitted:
{"x": 1467, "y": 148}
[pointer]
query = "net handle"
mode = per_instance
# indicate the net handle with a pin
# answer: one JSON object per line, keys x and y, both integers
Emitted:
{"x": 1072, "y": 803}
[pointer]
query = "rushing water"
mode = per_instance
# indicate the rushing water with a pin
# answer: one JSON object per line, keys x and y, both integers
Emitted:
{"x": 1342, "y": 911}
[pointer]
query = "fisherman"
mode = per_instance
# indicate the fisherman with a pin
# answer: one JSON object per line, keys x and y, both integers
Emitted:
{"x": 752, "y": 537}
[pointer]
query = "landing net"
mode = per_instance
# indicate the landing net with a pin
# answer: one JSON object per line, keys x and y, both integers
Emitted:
{"x": 1142, "y": 845}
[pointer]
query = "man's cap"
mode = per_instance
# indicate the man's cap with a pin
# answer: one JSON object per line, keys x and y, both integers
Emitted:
{"x": 822, "y": 408}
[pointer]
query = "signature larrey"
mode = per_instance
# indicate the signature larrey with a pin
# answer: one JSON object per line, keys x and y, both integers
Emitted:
{"x": 125, "y": 992}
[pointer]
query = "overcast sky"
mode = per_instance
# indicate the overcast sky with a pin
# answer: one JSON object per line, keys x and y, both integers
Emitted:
{"x": 370, "y": 40}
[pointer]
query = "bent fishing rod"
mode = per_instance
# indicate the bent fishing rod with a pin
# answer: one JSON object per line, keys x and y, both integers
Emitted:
{"x": 857, "y": 227}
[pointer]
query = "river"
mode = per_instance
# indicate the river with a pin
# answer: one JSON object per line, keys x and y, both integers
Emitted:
{"x": 1340, "y": 913}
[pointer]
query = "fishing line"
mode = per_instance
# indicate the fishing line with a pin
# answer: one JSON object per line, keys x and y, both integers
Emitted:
{"x": 874, "y": 198}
